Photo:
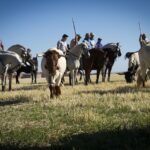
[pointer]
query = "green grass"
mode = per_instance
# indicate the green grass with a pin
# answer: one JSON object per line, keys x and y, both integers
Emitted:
{"x": 111, "y": 115}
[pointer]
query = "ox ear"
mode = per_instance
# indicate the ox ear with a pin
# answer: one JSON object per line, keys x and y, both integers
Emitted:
{"x": 58, "y": 54}
{"x": 121, "y": 73}
{"x": 46, "y": 54}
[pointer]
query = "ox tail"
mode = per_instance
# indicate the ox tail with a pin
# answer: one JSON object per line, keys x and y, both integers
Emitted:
{"x": 128, "y": 55}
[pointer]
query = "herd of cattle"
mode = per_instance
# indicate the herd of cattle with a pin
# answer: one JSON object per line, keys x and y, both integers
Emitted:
{"x": 54, "y": 64}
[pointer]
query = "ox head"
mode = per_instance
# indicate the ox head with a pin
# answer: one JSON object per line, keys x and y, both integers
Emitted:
{"x": 51, "y": 61}
{"x": 129, "y": 76}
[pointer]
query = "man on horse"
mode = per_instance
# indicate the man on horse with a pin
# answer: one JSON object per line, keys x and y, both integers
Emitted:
{"x": 75, "y": 41}
{"x": 98, "y": 43}
{"x": 28, "y": 60}
{"x": 1, "y": 46}
{"x": 143, "y": 40}
{"x": 92, "y": 41}
{"x": 62, "y": 44}
{"x": 87, "y": 40}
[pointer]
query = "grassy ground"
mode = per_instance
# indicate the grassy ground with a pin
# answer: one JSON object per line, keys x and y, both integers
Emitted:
{"x": 111, "y": 115}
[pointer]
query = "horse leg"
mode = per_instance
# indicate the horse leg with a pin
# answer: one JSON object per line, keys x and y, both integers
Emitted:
{"x": 10, "y": 81}
{"x": 32, "y": 77}
{"x": 75, "y": 76}
{"x": 72, "y": 77}
{"x": 143, "y": 83}
{"x": 35, "y": 76}
{"x": 139, "y": 81}
{"x": 104, "y": 71}
{"x": 109, "y": 72}
{"x": 69, "y": 78}
{"x": 17, "y": 77}
{"x": 97, "y": 78}
{"x": 80, "y": 75}
{"x": 87, "y": 76}
{"x": 3, "y": 82}
{"x": 4, "y": 77}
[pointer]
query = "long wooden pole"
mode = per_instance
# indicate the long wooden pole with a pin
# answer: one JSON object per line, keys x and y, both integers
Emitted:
{"x": 74, "y": 27}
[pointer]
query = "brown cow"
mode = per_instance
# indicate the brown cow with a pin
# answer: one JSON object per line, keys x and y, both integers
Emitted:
{"x": 54, "y": 66}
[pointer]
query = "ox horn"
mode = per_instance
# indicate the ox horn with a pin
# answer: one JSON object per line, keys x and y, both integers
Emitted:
{"x": 121, "y": 73}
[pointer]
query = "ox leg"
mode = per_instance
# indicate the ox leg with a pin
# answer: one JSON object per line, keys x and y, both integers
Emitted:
{"x": 52, "y": 91}
{"x": 10, "y": 82}
{"x": 58, "y": 91}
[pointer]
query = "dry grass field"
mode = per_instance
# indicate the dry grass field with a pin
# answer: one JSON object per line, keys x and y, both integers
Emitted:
{"x": 111, "y": 116}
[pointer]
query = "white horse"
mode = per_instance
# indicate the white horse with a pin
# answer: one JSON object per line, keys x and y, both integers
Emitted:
{"x": 9, "y": 63}
{"x": 144, "y": 66}
{"x": 73, "y": 60}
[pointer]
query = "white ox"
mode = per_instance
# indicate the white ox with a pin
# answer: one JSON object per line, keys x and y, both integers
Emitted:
{"x": 144, "y": 58}
{"x": 53, "y": 67}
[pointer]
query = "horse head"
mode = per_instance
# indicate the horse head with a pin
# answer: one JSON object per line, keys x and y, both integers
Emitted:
{"x": 85, "y": 49}
{"x": 118, "y": 49}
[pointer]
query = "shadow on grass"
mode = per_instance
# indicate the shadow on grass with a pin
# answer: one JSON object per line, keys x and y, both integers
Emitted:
{"x": 31, "y": 87}
{"x": 15, "y": 101}
{"x": 119, "y": 90}
{"x": 119, "y": 139}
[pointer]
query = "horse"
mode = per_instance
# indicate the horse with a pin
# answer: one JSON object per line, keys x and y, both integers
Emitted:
{"x": 144, "y": 65}
{"x": 29, "y": 67}
{"x": 94, "y": 62}
{"x": 20, "y": 50}
{"x": 53, "y": 67}
{"x": 73, "y": 60}
{"x": 113, "y": 51}
{"x": 9, "y": 63}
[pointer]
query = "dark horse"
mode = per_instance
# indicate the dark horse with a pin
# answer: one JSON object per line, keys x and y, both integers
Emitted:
{"x": 29, "y": 68}
{"x": 94, "y": 62}
{"x": 113, "y": 51}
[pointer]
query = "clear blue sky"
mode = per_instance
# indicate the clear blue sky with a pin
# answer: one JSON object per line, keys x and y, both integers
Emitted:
{"x": 39, "y": 24}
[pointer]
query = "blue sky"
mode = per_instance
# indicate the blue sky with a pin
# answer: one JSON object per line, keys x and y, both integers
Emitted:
{"x": 39, "y": 24}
